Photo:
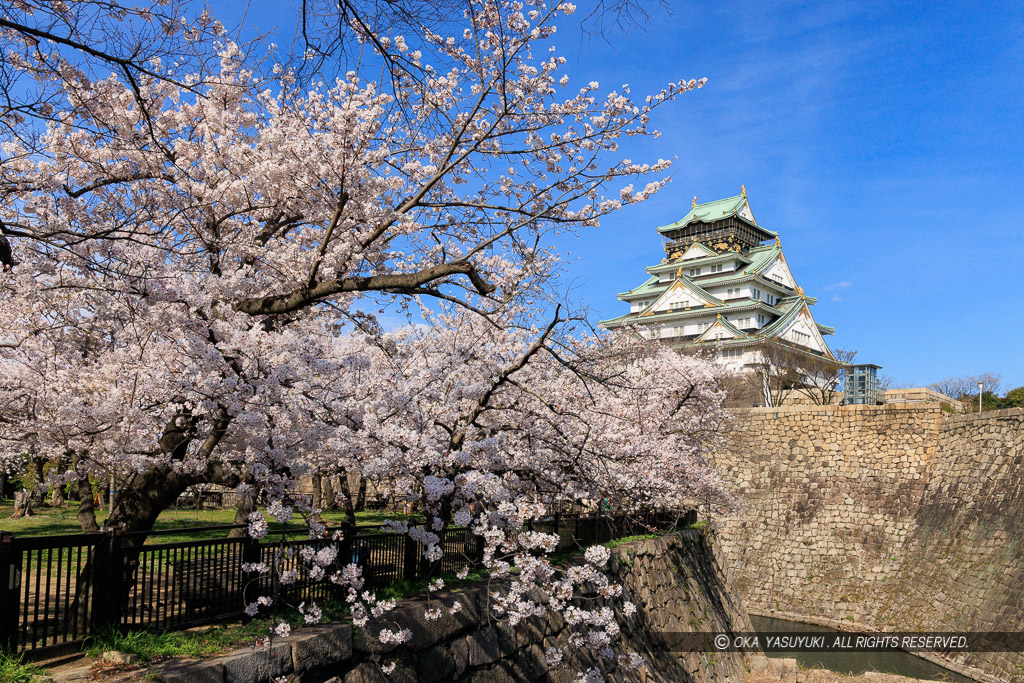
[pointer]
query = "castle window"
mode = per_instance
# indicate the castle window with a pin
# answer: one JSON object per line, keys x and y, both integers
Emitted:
{"x": 694, "y": 272}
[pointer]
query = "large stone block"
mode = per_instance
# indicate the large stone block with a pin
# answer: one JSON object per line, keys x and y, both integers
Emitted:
{"x": 321, "y": 646}
{"x": 425, "y": 632}
{"x": 483, "y": 647}
{"x": 247, "y": 666}
{"x": 435, "y": 664}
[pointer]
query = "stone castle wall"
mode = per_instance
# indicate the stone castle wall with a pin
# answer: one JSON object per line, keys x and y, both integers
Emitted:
{"x": 896, "y": 517}
{"x": 675, "y": 581}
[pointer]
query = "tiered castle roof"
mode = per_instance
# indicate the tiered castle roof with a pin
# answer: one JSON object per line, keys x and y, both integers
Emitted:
{"x": 724, "y": 281}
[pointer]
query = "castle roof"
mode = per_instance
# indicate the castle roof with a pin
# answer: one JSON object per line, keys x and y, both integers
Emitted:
{"x": 717, "y": 210}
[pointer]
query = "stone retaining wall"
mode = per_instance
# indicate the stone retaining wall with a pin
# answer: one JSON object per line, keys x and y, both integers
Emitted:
{"x": 675, "y": 581}
{"x": 889, "y": 517}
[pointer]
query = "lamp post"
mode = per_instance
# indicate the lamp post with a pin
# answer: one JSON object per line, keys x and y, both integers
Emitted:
{"x": 981, "y": 389}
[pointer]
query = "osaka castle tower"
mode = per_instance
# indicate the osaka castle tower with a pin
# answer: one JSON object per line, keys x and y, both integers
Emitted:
{"x": 724, "y": 284}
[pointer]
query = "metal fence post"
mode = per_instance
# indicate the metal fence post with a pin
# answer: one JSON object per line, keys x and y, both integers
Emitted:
{"x": 10, "y": 590}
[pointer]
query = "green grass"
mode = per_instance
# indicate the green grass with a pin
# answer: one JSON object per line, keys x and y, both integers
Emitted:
{"x": 205, "y": 642}
{"x": 615, "y": 543}
{"x": 50, "y": 521}
{"x": 15, "y": 670}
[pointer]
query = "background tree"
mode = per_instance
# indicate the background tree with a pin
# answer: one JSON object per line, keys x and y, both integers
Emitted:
{"x": 1014, "y": 398}
{"x": 822, "y": 376}
{"x": 965, "y": 388}
{"x": 778, "y": 371}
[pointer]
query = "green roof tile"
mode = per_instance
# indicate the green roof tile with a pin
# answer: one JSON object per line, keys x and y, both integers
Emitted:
{"x": 648, "y": 287}
{"x": 711, "y": 211}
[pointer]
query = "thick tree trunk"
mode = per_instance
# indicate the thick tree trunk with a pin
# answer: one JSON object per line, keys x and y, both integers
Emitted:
{"x": 57, "y": 493}
{"x": 328, "y": 494}
{"x": 86, "y": 511}
{"x": 246, "y": 506}
{"x": 3, "y": 484}
{"x": 22, "y": 504}
{"x": 361, "y": 497}
{"x": 317, "y": 501}
{"x": 137, "y": 505}
{"x": 350, "y": 512}
{"x": 142, "y": 497}
{"x": 39, "y": 486}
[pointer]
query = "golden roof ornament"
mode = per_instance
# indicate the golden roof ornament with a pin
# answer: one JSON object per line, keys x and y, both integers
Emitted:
{"x": 778, "y": 240}
{"x": 719, "y": 317}
{"x": 744, "y": 188}
{"x": 800, "y": 291}
{"x": 679, "y": 272}
{"x": 694, "y": 202}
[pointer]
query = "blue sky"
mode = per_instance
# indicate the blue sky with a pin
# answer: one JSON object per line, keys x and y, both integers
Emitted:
{"x": 882, "y": 140}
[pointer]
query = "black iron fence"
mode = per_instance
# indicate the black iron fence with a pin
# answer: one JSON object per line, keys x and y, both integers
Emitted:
{"x": 56, "y": 591}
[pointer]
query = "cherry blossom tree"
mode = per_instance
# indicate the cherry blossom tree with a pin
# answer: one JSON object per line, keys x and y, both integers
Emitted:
{"x": 193, "y": 252}
{"x": 216, "y": 223}
{"x": 490, "y": 423}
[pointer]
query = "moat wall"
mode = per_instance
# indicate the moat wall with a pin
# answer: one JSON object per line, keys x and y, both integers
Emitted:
{"x": 676, "y": 583}
{"x": 898, "y": 518}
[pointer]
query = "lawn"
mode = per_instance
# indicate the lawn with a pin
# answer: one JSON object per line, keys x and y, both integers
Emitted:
{"x": 49, "y": 521}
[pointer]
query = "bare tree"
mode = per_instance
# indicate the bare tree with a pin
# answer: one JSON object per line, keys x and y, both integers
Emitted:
{"x": 822, "y": 376}
{"x": 779, "y": 371}
{"x": 966, "y": 386}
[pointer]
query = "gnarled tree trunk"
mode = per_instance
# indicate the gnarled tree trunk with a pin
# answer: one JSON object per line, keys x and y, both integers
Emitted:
{"x": 350, "y": 511}
{"x": 22, "y": 504}
{"x": 361, "y": 496}
{"x": 39, "y": 487}
{"x": 246, "y": 506}
{"x": 86, "y": 511}
{"x": 317, "y": 494}
{"x": 328, "y": 494}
